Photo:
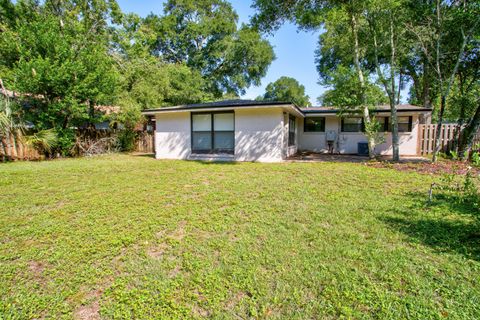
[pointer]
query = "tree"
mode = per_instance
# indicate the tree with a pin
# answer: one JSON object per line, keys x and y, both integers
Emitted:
{"x": 444, "y": 36}
{"x": 385, "y": 20}
{"x": 204, "y": 36}
{"x": 152, "y": 83}
{"x": 340, "y": 44}
{"x": 286, "y": 89}
{"x": 346, "y": 93}
{"x": 60, "y": 60}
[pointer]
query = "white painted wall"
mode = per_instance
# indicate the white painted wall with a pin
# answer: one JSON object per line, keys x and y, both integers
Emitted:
{"x": 408, "y": 141}
{"x": 347, "y": 142}
{"x": 172, "y": 135}
{"x": 259, "y": 134}
{"x": 262, "y": 135}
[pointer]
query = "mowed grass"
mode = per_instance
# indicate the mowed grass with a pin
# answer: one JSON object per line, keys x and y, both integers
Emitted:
{"x": 132, "y": 237}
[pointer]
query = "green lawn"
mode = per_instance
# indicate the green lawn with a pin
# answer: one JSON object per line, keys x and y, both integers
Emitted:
{"x": 132, "y": 237}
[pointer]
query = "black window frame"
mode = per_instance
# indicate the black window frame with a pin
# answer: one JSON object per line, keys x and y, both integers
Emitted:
{"x": 322, "y": 127}
{"x": 291, "y": 134}
{"x": 388, "y": 124}
{"x": 384, "y": 123}
{"x": 362, "y": 125}
{"x": 212, "y": 150}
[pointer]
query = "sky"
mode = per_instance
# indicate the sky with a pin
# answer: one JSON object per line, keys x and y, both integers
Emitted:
{"x": 295, "y": 50}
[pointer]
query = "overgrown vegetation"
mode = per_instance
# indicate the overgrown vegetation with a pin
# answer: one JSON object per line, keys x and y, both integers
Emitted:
{"x": 432, "y": 45}
{"x": 459, "y": 189}
{"x": 64, "y": 58}
{"x": 132, "y": 237}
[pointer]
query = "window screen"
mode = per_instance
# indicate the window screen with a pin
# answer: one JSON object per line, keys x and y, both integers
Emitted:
{"x": 314, "y": 124}
{"x": 352, "y": 124}
{"x": 291, "y": 131}
{"x": 213, "y": 132}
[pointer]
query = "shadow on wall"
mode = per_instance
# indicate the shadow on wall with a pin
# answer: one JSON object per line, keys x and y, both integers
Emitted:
{"x": 259, "y": 145}
{"x": 404, "y": 141}
{"x": 172, "y": 145}
{"x": 456, "y": 231}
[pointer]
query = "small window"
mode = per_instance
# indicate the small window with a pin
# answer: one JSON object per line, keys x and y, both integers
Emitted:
{"x": 314, "y": 124}
{"x": 291, "y": 131}
{"x": 383, "y": 121}
{"x": 352, "y": 124}
{"x": 404, "y": 124}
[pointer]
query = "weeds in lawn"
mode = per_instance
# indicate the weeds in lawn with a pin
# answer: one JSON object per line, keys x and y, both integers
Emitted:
{"x": 132, "y": 237}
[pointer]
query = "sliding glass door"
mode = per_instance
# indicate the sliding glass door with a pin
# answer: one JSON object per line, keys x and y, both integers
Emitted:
{"x": 213, "y": 132}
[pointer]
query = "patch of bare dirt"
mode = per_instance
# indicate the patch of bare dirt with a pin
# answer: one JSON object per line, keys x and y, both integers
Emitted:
{"x": 89, "y": 312}
{"x": 36, "y": 269}
{"x": 200, "y": 312}
{"x": 157, "y": 251}
{"x": 235, "y": 300}
{"x": 173, "y": 273}
{"x": 440, "y": 167}
{"x": 179, "y": 233}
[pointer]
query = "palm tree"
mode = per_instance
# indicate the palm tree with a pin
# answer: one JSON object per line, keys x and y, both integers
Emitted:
{"x": 11, "y": 129}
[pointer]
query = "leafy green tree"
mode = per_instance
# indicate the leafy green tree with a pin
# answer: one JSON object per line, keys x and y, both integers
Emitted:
{"x": 448, "y": 36}
{"x": 286, "y": 89}
{"x": 61, "y": 62}
{"x": 151, "y": 83}
{"x": 346, "y": 93}
{"x": 341, "y": 43}
{"x": 204, "y": 36}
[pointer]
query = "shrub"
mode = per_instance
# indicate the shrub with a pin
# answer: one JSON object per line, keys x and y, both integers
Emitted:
{"x": 462, "y": 190}
{"x": 65, "y": 142}
{"x": 126, "y": 139}
{"x": 476, "y": 158}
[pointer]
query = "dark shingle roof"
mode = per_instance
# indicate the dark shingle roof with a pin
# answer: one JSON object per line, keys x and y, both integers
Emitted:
{"x": 222, "y": 104}
{"x": 382, "y": 108}
{"x": 249, "y": 103}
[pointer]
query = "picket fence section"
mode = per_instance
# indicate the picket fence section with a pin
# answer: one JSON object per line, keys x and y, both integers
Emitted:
{"x": 449, "y": 133}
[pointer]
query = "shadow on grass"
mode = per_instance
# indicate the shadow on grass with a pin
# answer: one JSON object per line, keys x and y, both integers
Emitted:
{"x": 210, "y": 162}
{"x": 452, "y": 232}
{"x": 143, "y": 155}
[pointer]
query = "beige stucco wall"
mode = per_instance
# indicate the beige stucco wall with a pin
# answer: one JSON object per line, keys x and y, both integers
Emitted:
{"x": 259, "y": 135}
{"x": 347, "y": 142}
{"x": 172, "y": 135}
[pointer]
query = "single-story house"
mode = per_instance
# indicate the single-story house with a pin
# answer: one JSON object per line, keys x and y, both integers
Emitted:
{"x": 248, "y": 130}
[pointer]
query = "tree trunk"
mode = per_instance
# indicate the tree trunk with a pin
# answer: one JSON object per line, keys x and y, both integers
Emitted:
{"x": 438, "y": 131}
{"x": 468, "y": 134}
{"x": 361, "y": 78}
{"x": 395, "y": 139}
{"x": 14, "y": 146}
{"x": 4, "y": 149}
{"x": 393, "y": 107}
{"x": 426, "y": 86}
{"x": 8, "y": 145}
{"x": 446, "y": 92}
{"x": 461, "y": 118}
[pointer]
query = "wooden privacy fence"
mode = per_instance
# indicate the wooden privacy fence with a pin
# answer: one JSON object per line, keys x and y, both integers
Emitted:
{"x": 145, "y": 142}
{"x": 16, "y": 149}
{"x": 448, "y": 136}
{"x": 86, "y": 144}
